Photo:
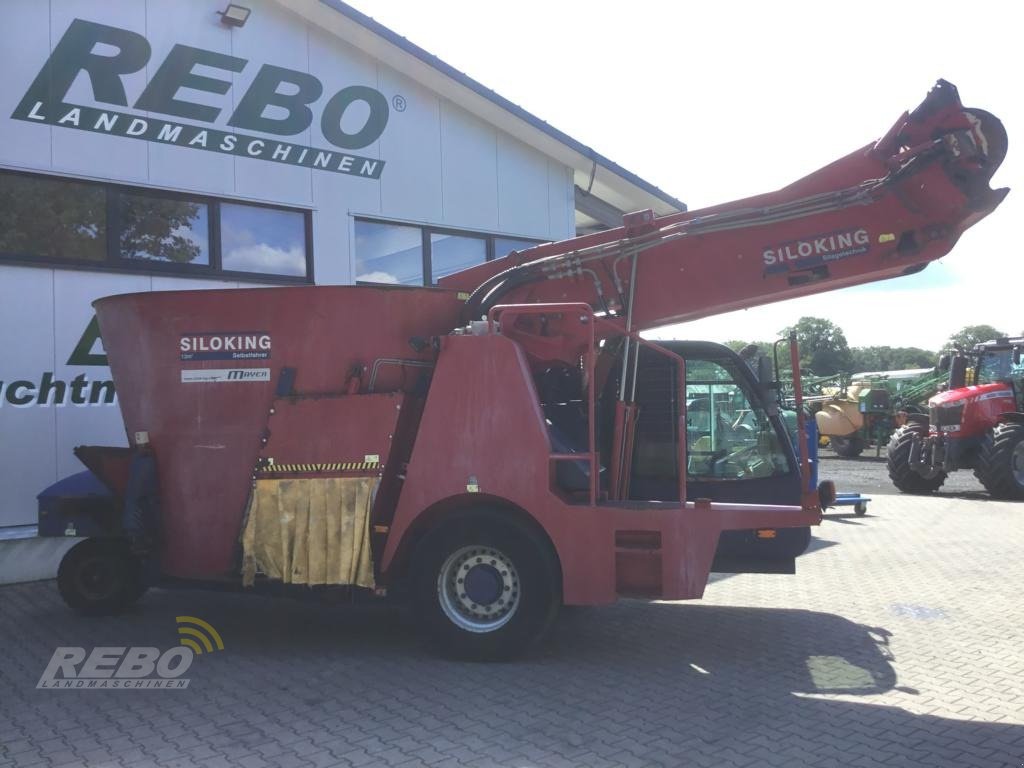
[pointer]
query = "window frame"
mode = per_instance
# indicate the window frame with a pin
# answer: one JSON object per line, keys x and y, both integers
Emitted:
{"x": 116, "y": 263}
{"x": 426, "y": 230}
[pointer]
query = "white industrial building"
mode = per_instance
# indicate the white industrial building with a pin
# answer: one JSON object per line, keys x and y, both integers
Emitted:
{"x": 180, "y": 144}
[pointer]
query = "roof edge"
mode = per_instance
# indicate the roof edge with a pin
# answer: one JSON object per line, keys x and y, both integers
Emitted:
{"x": 482, "y": 90}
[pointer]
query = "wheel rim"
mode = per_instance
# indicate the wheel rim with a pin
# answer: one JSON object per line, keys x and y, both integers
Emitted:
{"x": 97, "y": 579}
{"x": 478, "y": 589}
{"x": 1017, "y": 462}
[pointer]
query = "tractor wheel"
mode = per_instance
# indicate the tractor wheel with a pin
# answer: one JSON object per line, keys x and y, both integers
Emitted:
{"x": 100, "y": 577}
{"x": 1000, "y": 465}
{"x": 848, "y": 447}
{"x": 897, "y": 460}
{"x": 485, "y": 587}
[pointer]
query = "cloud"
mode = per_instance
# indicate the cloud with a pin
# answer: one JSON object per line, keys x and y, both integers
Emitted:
{"x": 235, "y": 237}
{"x": 378, "y": 277}
{"x": 261, "y": 257}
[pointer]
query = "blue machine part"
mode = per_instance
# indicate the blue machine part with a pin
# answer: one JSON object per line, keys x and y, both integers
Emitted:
{"x": 78, "y": 485}
{"x": 850, "y": 499}
{"x": 812, "y": 451}
{"x": 811, "y": 426}
{"x": 78, "y": 505}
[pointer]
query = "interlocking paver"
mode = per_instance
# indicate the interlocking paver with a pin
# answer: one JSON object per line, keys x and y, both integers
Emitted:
{"x": 899, "y": 643}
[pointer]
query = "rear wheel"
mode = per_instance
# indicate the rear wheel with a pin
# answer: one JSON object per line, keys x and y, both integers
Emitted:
{"x": 1000, "y": 466}
{"x": 485, "y": 586}
{"x": 848, "y": 447}
{"x": 100, "y": 577}
{"x": 897, "y": 460}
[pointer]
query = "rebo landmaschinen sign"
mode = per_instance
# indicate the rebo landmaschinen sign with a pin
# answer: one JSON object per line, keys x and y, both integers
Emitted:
{"x": 290, "y": 96}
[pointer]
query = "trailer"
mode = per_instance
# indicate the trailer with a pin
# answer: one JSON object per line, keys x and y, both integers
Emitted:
{"x": 481, "y": 447}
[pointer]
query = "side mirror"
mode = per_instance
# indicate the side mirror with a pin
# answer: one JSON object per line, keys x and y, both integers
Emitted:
{"x": 943, "y": 365}
{"x": 1016, "y": 355}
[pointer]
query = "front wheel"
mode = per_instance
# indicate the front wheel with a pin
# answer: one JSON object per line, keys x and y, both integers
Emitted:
{"x": 897, "y": 461}
{"x": 1000, "y": 465}
{"x": 484, "y": 586}
{"x": 100, "y": 577}
{"x": 848, "y": 447}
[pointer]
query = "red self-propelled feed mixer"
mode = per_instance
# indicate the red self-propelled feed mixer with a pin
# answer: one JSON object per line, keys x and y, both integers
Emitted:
{"x": 483, "y": 443}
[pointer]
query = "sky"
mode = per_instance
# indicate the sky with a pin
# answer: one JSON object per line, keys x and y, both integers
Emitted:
{"x": 716, "y": 101}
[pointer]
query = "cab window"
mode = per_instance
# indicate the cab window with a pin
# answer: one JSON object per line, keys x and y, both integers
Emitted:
{"x": 727, "y": 437}
{"x": 998, "y": 366}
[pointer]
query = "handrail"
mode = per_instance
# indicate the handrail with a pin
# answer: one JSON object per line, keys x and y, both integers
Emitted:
{"x": 586, "y": 316}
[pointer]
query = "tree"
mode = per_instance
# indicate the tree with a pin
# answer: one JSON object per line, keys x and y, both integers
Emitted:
{"x": 970, "y": 335}
{"x": 823, "y": 346}
{"x": 763, "y": 347}
{"x": 160, "y": 229}
{"x": 54, "y": 219}
{"x": 890, "y": 358}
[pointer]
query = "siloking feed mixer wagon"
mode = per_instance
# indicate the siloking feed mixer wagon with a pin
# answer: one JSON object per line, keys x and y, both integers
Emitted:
{"x": 475, "y": 445}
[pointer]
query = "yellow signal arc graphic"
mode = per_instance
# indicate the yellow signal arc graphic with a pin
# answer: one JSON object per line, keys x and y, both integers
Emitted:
{"x": 208, "y": 637}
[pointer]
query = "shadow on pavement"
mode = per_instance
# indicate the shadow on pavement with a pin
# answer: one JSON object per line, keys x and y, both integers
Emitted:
{"x": 638, "y": 684}
{"x": 864, "y": 458}
{"x": 846, "y": 518}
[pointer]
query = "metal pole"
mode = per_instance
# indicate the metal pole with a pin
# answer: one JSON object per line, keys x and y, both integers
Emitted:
{"x": 629, "y": 329}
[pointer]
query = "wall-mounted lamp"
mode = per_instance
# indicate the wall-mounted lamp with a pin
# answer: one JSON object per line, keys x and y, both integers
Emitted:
{"x": 234, "y": 15}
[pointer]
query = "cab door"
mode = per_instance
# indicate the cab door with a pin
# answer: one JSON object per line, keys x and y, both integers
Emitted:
{"x": 735, "y": 450}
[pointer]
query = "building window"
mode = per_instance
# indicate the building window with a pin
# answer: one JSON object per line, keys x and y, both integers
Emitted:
{"x": 171, "y": 230}
{"x": 503, "y": 246}
{"x": 44, "y": 219}
{"x": 264, "y": 240}
{"x": 402, "y": 254}
{"x": 454, "y": 253}
{"x": 53, "y": 221}
{"x": 388, "y": 253}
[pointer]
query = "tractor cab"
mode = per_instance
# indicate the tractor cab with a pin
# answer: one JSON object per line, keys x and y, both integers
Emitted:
{"x": 1000, "y": 362}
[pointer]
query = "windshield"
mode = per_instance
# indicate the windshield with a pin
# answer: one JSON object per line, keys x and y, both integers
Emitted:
{"x": 997, "y": 365}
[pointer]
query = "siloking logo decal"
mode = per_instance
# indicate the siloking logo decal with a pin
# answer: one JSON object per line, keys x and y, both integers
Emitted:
{"x": 218, "y": 345}
{"x": 244, "y": 345}
{"x": 350, "y": 119}
{"x": 816, "y": 249}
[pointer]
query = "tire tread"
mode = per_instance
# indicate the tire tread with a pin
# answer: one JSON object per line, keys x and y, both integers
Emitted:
{"x": 897, "y": 461}
{"x": 994, "y": 466}
{"x": 523, "y": 633}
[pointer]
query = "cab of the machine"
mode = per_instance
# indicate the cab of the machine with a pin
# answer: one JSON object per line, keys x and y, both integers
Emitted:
{"x": 739, "y": 446}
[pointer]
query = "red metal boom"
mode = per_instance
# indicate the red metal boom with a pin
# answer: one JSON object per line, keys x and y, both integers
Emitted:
{"x": 885, "y": 210}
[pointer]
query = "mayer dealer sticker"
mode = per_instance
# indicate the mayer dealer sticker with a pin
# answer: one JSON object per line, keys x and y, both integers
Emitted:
{"x": 218, "y": 375}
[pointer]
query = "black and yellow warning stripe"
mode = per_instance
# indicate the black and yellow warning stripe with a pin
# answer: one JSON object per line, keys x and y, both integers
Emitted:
{"x": 337, "y": 466}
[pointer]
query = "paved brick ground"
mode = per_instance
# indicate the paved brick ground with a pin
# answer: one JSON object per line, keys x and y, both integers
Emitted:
{"x": 899, "y": 643}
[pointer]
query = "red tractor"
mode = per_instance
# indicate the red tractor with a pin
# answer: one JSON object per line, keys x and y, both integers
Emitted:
{"x": 978, "y": 426}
